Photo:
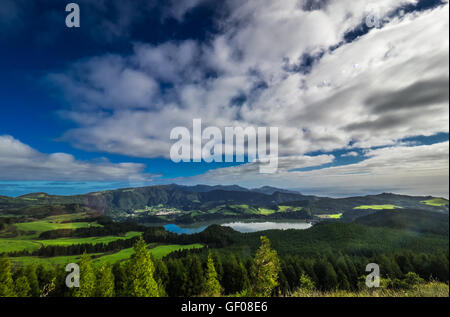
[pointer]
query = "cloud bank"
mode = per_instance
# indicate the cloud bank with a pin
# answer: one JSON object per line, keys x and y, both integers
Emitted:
{"x": 309, "y": 67}
{"x": 19, "y": 161}
{"x": 389, "y": 84}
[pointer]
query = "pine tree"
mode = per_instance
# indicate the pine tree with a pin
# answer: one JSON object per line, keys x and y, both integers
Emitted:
{"x": 33, "y": 281}
{"x": 306, "y": 283}
{"x": 120, "y": 279}
{"x": 87, "y": 278}
{"x": 21, "y": 287}
{"x": 6, "y": 281}
{"x": 140, "y": 282}
{"x": 265, "y": 269}
{"x": 212, "y": 286}
{"x": 177, "y": 282}
{"x": 105, "y": 281}
{"x": 196, "y": 281}
{"x": 161, "y": 276}
{"x": 327, "y": 275}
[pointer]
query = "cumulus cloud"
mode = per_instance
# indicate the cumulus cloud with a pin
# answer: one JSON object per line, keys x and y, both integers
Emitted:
{"x": 285, "y": 164}
{"x": 386, "y": 85}
{"x": 286, "y": 64}
{"x": 19, "y": 161}
{"x": 415, "y": 170}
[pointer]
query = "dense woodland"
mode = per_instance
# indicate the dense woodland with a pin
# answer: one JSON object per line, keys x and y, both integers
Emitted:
{"x": 208, "y": 273}
{"x": 228, "y": 269}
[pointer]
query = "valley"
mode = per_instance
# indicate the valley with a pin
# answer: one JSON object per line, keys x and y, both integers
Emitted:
{"x": 329, "y": 240}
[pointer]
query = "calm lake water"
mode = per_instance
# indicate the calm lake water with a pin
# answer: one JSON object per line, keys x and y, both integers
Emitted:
{"x": 241, "y": 226}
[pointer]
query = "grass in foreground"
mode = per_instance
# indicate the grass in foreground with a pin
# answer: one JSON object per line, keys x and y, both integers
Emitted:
{"x": 430, "y": 289}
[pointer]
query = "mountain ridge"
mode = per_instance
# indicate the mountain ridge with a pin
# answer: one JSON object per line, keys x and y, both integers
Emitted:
{"x": 202, "y": 202}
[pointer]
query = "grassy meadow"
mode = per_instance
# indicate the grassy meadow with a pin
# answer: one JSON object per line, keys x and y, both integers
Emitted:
{"x": 436, "y": 202}
{"x": 158, "y": 251}
{"x": 24, "y": 236}
{"x": 377, "y": 207}
{"x": 430, "y": 289}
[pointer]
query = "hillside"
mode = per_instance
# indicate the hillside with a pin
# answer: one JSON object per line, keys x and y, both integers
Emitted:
{"x": 186, "y": 204}
{"x": 413, "y": 220}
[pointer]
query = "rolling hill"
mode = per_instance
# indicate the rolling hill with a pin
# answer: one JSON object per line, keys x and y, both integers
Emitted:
{"x": 202, "y": 202}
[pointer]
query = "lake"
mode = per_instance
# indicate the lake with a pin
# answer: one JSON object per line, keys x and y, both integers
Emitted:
{"x": 241, "y": 226}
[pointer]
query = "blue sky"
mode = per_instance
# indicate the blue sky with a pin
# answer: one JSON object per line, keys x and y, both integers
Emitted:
{"x": 359, "y": 109}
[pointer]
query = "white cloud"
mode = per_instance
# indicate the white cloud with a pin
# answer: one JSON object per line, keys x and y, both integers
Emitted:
{"x": 337, "y": 102}
{"x": 285, "y": 164}
{"x": 19, "y": 161}
{"x": 389, "y": 84}
{"x": 416, "y": 170}
{"x": 350, "y": 154}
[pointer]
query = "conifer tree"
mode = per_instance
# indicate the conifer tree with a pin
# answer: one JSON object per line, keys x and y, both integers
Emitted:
{"x": 140, "y": 280}
{"x": 6, "y": 281}
{"x": 196, "y": 281}
{"x": 32, "y": 278}
{"x": 265, "y": 270}
{"x": 87, "y": 278}
{"x": 327, "y": 275}
{"x": 306, "y": 283}
{"x": 161, "y": 276}
{"x": 212, "y": 286}
{"x": 21, "y": 287}
{"x": 105, "y": 281}
{"x": 120, "y": 279}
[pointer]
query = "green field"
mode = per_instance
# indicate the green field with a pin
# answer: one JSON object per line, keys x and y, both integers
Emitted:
{"x": 37, "y": 227}
{"x": 25, "y": 243}
{"x": 11, "y": 245}
{"x": 265, "y": 211}
{"x": 377, "y": 207}
{"x": 436, "y": 202}
{"x": 163, "y": 250}
{"x": 331, "y": 216}
{"x": 253, "y": 210}
{"x": 91, "y": 240}
{"x": 56, "y": 260}
{"x": 288, "y": 208}
{"x": 158, "y": 251}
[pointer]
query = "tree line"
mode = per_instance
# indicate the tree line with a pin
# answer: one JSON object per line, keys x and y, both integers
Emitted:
{"x": 206, "y": 272}
{"x": 76, "y": 249}
{"x": 140, "y": 276}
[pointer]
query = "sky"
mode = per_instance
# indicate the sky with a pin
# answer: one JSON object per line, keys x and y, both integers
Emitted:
{"x": 361, "y": 108}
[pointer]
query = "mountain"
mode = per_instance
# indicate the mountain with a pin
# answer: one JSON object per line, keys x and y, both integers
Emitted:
{"x": 207, "y": 188}
{"x": 202, "y": 202}
{"x": 269, "y": 190}
{"x": 409, "y": 219}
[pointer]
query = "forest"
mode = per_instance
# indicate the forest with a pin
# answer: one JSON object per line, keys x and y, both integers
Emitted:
{"x": 235, "y": 264}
